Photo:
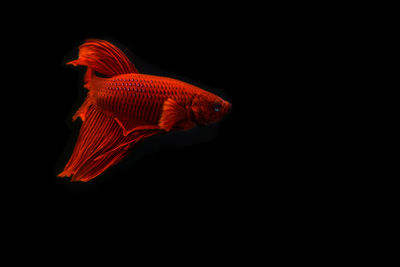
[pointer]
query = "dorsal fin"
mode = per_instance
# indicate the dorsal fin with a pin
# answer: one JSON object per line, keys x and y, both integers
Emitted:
{"x": 104, "y": 58}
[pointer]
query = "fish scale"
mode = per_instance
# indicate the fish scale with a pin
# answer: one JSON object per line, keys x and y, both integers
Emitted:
{"x": 139, "y": 97}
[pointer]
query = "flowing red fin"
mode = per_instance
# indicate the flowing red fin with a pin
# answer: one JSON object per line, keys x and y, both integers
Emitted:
{"x": 100, "y": 145}
{"x": 104, "y": 58}
{"x": 172, "y": 114}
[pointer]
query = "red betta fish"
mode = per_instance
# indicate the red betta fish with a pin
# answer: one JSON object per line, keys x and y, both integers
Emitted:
{"x": 124, "y": 107}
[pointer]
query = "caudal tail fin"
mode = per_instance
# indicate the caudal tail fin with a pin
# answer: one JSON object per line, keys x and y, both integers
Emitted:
{"x": 104, "y": 58}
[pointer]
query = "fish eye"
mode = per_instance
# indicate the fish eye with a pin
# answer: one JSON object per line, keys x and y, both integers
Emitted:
{"x": 217, "y": 107}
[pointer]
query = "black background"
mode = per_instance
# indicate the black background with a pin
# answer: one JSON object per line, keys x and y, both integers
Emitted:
{"x": 272, "y": 172}
{"x": 261, "y": 171}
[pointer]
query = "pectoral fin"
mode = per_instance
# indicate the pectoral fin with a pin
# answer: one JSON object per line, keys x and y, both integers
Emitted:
{"x": 172, "y": 114}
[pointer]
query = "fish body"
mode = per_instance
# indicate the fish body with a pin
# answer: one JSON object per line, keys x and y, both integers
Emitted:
{"x": 141, "y": 97}
{"x": 126, "y": 107}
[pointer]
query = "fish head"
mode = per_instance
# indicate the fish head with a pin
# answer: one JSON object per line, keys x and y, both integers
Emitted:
{"x": 208, "y": 108}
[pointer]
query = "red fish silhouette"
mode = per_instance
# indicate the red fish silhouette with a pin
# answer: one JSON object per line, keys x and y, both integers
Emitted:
{"x": 127, "y": 107}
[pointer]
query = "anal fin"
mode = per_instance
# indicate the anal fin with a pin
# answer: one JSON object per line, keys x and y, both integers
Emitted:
{"x": 101, "y": 144}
